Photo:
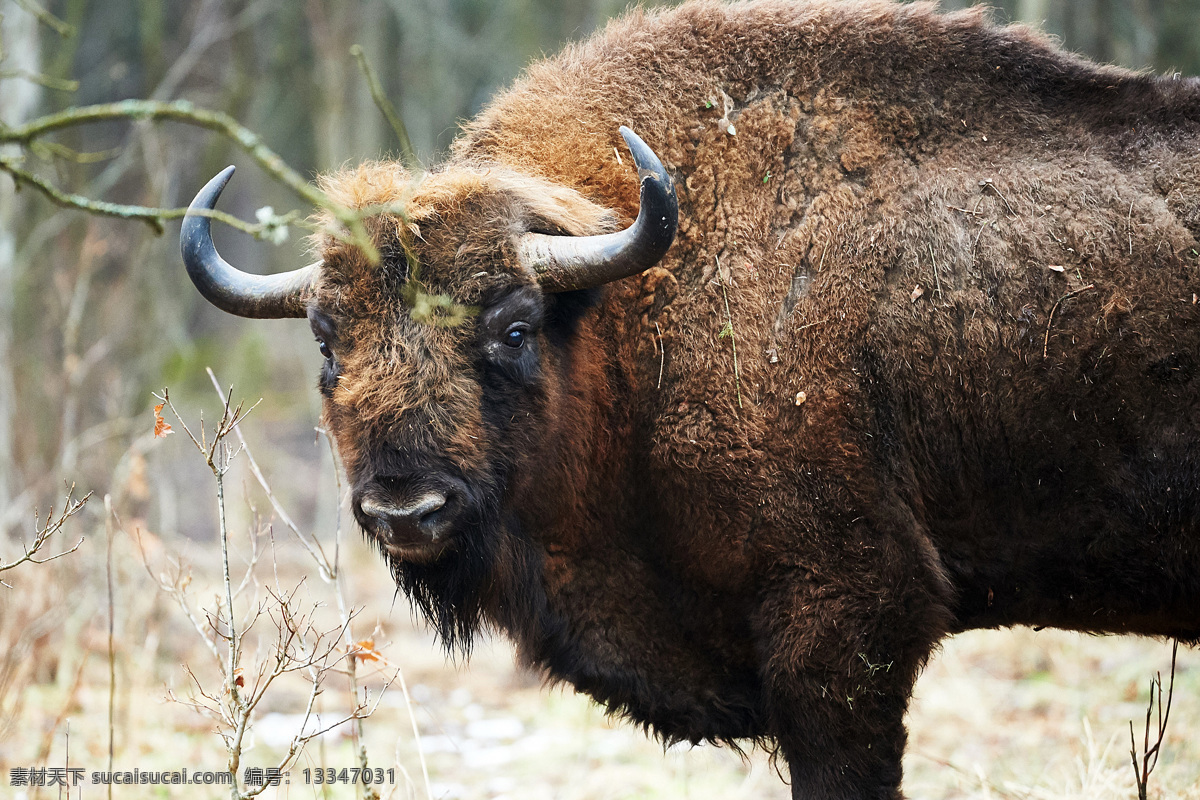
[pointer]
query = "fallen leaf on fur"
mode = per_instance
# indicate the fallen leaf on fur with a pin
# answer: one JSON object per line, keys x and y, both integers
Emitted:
{"x": 800, "y": 398}
{"x": 916, "y": 293}
{"x": 1055, "y": 267}
{"x": 161, "y": 428}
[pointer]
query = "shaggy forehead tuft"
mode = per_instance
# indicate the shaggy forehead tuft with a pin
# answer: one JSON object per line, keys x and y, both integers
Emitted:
{"x": 392, "y": 190}
{"x": 449, "y": 222}
{"x": 371, "y": 183}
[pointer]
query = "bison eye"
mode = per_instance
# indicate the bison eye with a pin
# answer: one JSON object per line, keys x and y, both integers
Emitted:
{"x": 514, "y": 337}
{"x": 325, "y": 351}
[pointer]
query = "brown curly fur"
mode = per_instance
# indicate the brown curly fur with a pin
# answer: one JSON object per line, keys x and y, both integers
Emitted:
{"x": 1011, "y": 444}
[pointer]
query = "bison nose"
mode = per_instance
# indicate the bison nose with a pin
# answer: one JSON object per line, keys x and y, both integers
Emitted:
{"x": 421, "y": 521}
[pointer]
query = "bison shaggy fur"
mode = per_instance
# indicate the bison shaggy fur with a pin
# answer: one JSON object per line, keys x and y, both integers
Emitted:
{"x": 959, "y": 269}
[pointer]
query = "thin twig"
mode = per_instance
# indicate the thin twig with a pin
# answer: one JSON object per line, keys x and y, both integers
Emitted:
{"x": 987, "y": 184}
{"x": 299, "y": 645}
{"x": 58, "y": 150}
{"x": 662, "y": 354}
{"x": 737, "y": 381}
{"x": 176, "y": 111}
{"x": 42, "y": 534}
{"x": 1049, "y": 322}
{"x": 978, "y": 234}
{"x": 177, "y": 589}
{"x": 311, "y": 544}
{"x": 112, "y": 653}
{"x": 933, "y": 262}
{"x": 41, "y": 79}
{"x": 1150, "y": 752}
{"x": 407, "y": 154}
{"x": 1129, "y": 228}
{"x": 52, "y": 22}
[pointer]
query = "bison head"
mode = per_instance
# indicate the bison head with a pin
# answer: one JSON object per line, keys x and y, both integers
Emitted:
{"x": 448, "y": 359}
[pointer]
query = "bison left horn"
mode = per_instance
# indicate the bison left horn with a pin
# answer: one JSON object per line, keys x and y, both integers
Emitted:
{"x": 564, "y": 263}
{"x": 228, "y": 288}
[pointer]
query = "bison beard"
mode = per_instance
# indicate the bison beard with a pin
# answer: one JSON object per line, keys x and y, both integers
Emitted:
{"x": 959, "y": 268}
{"x": 451, "y": 592}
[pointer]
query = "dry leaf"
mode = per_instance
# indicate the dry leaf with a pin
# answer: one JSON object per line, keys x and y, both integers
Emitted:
{"x": 364, "y": 650}
{"x": 1056, "y": 267}
{"x": 161, "y": 428}
{"x": 800, "y": 398}
{"x": 916, "y": 293}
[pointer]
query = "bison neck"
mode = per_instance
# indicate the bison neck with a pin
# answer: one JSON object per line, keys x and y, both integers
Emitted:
{"x": 612, "y": 601}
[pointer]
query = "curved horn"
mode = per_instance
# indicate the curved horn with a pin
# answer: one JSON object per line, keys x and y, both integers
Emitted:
{"x": 228, "y": 288}
{"x": 563, "y": 263}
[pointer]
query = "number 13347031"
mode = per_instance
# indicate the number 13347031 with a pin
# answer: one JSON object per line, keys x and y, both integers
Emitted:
{"x": 329, "y": 775}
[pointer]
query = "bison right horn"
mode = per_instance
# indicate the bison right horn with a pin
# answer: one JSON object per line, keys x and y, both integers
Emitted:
{"x": 227, "y": 287}
{"x": 564, "y": 263}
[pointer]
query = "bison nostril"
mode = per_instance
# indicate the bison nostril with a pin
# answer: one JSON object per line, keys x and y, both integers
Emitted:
{"x": 425, "y": 507}
{"x": 423, "y": 518}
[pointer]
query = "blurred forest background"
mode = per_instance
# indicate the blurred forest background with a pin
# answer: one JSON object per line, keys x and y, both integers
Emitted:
{"x": 97, "y": 313}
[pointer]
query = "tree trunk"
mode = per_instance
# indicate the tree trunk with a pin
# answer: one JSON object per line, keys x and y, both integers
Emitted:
{"x": 18, "y": 102}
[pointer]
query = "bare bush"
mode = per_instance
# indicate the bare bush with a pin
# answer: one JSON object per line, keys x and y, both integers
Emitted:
{"x": 1149, "y": 759}
{"x": 291, "y": 638}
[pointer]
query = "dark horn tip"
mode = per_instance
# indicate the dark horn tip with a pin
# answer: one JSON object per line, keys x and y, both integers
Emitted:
{"x": 228, "y": 288}
{"x": 643, "y": 157}
{"x": 659, "y": 202}
{"x": 194, "y": 234}
{"x": 568, "y": 263}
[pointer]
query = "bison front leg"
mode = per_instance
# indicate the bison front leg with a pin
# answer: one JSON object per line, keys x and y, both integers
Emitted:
{"x": 846, "y": 633}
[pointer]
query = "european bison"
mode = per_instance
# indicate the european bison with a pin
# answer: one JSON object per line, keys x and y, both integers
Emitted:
{"x": 922, "y": 358}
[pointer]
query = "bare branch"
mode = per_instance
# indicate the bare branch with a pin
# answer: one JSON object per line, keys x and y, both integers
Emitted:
{"x": 49, "y": 81}
{"x": 43, "y": 532}
{"x": 407, "y": 153}
{"x": 46, "y": 18}
{"x": 152, "y": 216}
{"x": 217, "y": 121}
{"x": 310, "y": 543}
{"x": 1150, "y": 752}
